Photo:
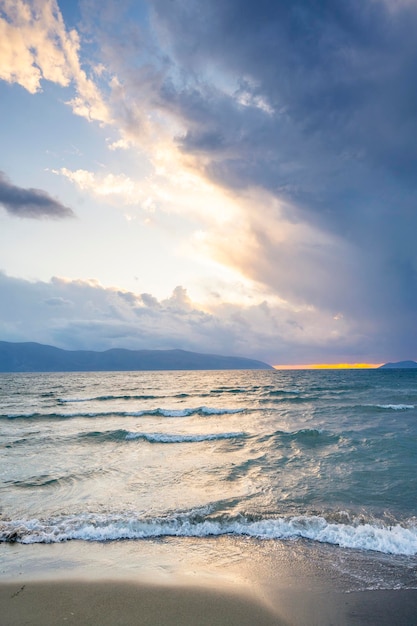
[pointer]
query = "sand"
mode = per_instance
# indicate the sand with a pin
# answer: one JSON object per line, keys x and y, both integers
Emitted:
{"x": 189, "y": 582}
{"x": 116, "y": 603}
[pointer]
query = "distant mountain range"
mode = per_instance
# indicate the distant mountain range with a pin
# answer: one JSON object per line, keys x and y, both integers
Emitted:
{"x": 36, "y": 357}
{"x": 399, "y": 365}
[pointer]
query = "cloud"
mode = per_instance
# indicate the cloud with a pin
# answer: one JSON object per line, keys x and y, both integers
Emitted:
{"x": 168, "y": 188}
{"x": 286, "y": 131}
{"x": 107, "y": 185}
{"x": 336, "y": 77}
{"x": 77, "y": 314}
{"x": 31, "y": 203}
{"x": 36, "y": 46}
{"x": 296, "y": 122}
{"x": 308, "y": 109}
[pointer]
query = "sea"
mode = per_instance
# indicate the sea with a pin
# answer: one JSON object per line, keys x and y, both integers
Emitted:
{"x": 318, "y": 462}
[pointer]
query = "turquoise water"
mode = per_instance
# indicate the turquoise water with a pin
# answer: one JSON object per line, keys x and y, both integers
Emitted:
{"x": 324, "y": 457}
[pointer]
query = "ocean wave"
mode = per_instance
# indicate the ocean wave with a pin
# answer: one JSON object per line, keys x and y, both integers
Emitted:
{"x": 107, "y": 398}
{"x": 283, "y": 392}
{"x": 306, "y": 436}
{"x": 288, "y": 398}
{"x": 60, "y": 416}
{"x": 174, "y": 438}
{"x": 186, "y": 412}
{"x": 396, "y": 407}
{"x": 396, "y": 539}
{"x": 125, "y": 435}
{"x": 378, "y": 408}
{"x": 48, "y": 480}
{"x": 232, "y": 390}
{"x": 310, "y": 436}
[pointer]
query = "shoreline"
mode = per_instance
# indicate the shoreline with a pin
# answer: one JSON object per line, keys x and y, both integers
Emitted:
{"x": 185, "y": 582}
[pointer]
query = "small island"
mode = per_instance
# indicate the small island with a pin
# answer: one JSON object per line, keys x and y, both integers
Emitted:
{"x": 399, "y": 365}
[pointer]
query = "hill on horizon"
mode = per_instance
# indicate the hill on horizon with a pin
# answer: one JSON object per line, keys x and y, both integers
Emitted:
{"x": 36, "y": 357}
{"x": 399, "y": 365}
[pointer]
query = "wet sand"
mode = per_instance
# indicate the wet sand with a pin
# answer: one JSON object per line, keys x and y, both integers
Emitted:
{"x": 119, "y": 603}
{"x": 186, "y": 582}
{"x": 116, "y": 603}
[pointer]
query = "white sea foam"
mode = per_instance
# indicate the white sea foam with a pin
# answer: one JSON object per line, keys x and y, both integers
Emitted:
{"x": 215, "y": 411}
{"x": 174, "y": 438}
{"x": 397, "y": 539}
{"x": 173, "y": 412}
{"x": 396, "y": 407}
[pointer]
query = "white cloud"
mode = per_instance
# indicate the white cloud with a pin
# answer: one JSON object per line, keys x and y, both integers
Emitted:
{"x": 106, "y": 185}
{"x": 170, "y": 187}
{"x": 36, "y": 46}
{"x": 17, "y": 62}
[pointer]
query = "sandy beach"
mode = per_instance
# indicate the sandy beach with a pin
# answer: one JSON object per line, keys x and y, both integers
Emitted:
{"x": 115, "y": 603}
{"x": 189, "y": 582}
{"x": 221, "y": 498}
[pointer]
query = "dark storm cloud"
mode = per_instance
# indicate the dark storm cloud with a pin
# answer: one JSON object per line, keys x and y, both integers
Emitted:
{"x": 32, "y": 203}
{"x": 323, "y": 114}
{"x": 338, "y": 78}
{"x": 307, "y": 111}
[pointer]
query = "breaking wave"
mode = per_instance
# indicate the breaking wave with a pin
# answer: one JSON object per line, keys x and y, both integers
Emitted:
{"x": 397, "y": 539}
{"x": 173, "y": 438}
{"x": 107, "y": 398}
{"x": 125, "y": 435}
{"x": 396, "y": 407}
{"x": 186, "y": 412}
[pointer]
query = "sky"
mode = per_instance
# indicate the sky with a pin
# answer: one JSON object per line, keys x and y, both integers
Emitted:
{"x": 230, "y": 177}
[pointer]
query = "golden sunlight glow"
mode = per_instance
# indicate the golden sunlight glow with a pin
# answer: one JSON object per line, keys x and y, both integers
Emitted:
{"x": 329, "y": 366}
